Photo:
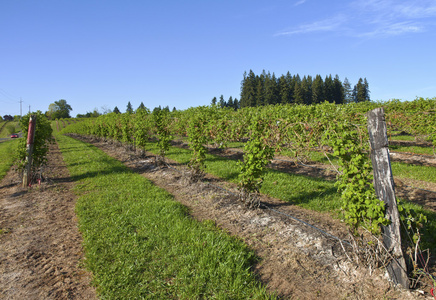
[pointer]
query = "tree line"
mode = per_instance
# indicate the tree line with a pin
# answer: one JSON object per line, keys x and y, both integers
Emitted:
{"x": 266, "y": 89}
{"x": 231, "y": 103}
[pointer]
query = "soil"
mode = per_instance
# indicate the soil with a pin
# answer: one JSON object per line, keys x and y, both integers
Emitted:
{"x": 419, "y": 143}
{"x": 40, "y": 244}
{"x": 41, "y": 254}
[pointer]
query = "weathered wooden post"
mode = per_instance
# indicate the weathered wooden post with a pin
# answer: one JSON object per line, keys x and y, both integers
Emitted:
{"x": 384, "y": 187}
{"x": 29, "y": 150}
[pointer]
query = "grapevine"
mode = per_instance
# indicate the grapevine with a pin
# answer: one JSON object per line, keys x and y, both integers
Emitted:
{"x": 197, "y": 140}
{"x": 161, "y": 120}
{"x": 257, "y": 154}
{"x": 360, "y": 205}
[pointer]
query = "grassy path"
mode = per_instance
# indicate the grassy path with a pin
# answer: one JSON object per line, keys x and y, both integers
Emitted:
{"x": 140, "y": 243}
{"x": 7, "y": 150}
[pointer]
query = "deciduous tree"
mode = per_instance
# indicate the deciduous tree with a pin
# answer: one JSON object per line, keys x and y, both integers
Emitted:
{"x": 59, "y": 109}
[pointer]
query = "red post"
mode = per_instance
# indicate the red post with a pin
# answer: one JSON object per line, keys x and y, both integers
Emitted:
{"x": 29, "y": 150}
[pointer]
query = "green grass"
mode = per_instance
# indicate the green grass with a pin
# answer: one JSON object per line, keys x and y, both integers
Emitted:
{"x": 403, "y": 137}
{"x": 424, "y": 173}
{"x": 235, "y": 145}
{"x": 412, "y": 149}
{"x": 308, "y": 192}
{"x": 140, "y": 243}
{"x": 7, "y": 150}
{"x": 5, "y": 130}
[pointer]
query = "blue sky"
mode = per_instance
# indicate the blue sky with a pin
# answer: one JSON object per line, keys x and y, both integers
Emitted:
{"x": 102, "y": 54}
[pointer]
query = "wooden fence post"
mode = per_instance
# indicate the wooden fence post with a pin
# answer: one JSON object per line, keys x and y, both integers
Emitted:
{"x": 384, "y": 187}
{"x": 29, "y": 151}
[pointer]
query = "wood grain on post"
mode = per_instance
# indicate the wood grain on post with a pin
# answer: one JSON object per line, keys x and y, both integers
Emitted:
{"x": 384, "y": 187}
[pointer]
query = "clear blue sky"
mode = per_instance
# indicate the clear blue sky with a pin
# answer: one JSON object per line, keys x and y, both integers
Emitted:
{"x": 98, "y": 54}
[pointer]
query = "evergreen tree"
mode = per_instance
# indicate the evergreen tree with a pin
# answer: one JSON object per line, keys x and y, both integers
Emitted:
{"x": 290, "y": 81}
{"x": 338, "y": 91}
{"x": 222, "y": 102}
{"x": 260, "y": 89}
{"x": 213, "y": 101}
{"x": 361, "y": 91}
{"x": 298, "y": 93}
{"x": 306, "y": 89}
{"x": 236, "y": 104}
{"x": 129, "y": 109}
{"x": 141, "y": 106}
{"x": 267, "y": 89}
{"x": 318, "y": 90}
{"x": 365, "y": 83}
{"x": 248, "y": 90}
{"x": 348, "y": 92}
{"x": 244, "y": 89}
{"x": 174, "y": 109}
{"x": 329, "y": 89}
{"x": 354, "y": 94}
{"x": 116, "y": 110}
{"x": 284, "y": 89}
{"x": 271, "y": 89}
{"x": 230, "y": 102}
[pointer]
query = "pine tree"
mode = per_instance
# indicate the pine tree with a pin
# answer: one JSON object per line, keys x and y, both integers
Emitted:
{"x": 260, "y": 89}
{"x": 306, "y": 89}
{"x": 230, "y": 102}
{"x": 116, "y": 110}
{"x": 222, "y": 102}
{"x": 248, "y": 90}
{"x": 271, "y": 89}
{"x": 361, "y": 91}
{"x": 141, "y": 106}
{"x": 338, "y": 91}
{"x": 298, "y": 93}
{"x": 236, "y": 104}
{"x": 290, "y": 81}
{"x": 318, "y": 90}
{"x": 213, "y": 102}
{"x": 129, "y": 109}
{"x": 367, "y": 92}
{"x": 348, "y": 92}
{"x": 329, "y": 89}
{"x": 284, "y": 89}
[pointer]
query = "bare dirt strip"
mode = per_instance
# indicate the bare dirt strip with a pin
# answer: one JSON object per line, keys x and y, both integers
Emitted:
{"x": 40, "y": 245}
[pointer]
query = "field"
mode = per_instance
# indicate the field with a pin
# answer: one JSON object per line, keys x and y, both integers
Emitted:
{"x": 150, "y": 232}
{"x": 7, "y": 127}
